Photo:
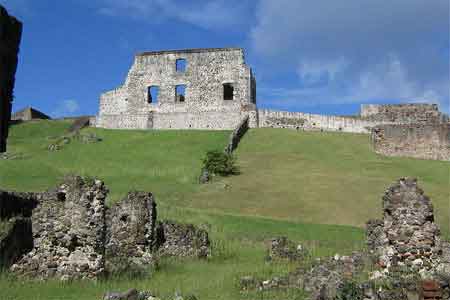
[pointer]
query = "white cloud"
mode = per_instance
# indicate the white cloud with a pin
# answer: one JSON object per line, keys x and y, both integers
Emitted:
{"x": 357, "y": 50}
{"x": 66, "y": 108}
{"x": 313, "y": 72}
{"x": 210, "y": 15}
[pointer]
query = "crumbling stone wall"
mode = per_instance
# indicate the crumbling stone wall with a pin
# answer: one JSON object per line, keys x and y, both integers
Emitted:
{"x": 69, "y": 233}
{"x": 29, "y": 114}
{"x": 204, "y": 107}
{"x": 426, "y": 141}
{"x": 131, "y": 233}
{"x": 311, "y": 122}
{"x": 407, "y": 234}
{"x": 182, "y": 240}
{"x": 403, "y": 113}
{"x": 10, "y": 35}
{"x": 237, "y": 135}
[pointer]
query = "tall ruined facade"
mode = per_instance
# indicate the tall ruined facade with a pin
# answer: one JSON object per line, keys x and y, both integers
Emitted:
{"x": 10, "y": 36}
{"x": 183, "y": 89}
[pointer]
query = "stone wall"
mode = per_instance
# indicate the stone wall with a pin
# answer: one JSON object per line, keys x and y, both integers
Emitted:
{"x": 403, "y": 113}
{"x": 28, "y": 114}
{"x": 182, "y": 240}
{"x": 68, "y": 233}
{"x": 426, "y": 141}
{"x": 131, "y": 234}
{"x": 305, "y": 121}
{"x": 407, "y": 234}
{"x": 204, "y": 107}
{"x": 71, "y": 234}
{"x": 237, "y": 135}
{"x": 10, "y": 35}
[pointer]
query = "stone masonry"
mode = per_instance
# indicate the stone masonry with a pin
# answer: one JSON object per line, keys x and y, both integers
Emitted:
{"x": 403, "y": 113}
{"x": 10, "y": 36}
{"x": 69, "y": 233}
{"x": 219, "y": 91}
{"x": 131, "y": 233}
{"x": 426, "y": 141}
{"x": 407, "y": 234}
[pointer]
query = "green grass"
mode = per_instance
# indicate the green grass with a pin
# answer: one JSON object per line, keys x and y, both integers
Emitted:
{"x": 165, "y": 162}
{"x": 316, "y": 188}
{"x": 237, "y": 250}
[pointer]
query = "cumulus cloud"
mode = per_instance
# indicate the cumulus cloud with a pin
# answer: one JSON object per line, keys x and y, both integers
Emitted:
{"x": 66, "y": 108}
{"x": 358, "y": 50}
{"x": 216, "y": 14}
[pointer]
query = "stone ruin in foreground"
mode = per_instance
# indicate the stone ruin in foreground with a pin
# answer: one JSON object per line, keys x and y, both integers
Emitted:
{"x": 69, "y": 233}
{"x": 406, "y": 258}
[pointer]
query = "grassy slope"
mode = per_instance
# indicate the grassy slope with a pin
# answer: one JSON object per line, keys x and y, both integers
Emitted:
{"x": 328, "y": 178}
{"x": 164, "y": 162}
{"x": 289, "y": 179}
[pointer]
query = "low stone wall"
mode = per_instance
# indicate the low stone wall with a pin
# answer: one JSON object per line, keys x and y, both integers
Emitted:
{"x": 182, "y": 240}
{"x": 237, "y": 135}
{"x": 305, "y": 121}
{"x": 124, "y": 121}
{"x": 426, "y": 141}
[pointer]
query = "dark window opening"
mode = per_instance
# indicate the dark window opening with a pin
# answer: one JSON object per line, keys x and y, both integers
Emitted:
{"x": 228, "y": 91}
{"x": 180, "y": 93}
{"x": 181, "y": 65}
{"x": 152, "y": 94}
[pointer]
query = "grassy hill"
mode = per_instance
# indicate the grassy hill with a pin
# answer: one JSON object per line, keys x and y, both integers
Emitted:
{"x": 317, "y": 188}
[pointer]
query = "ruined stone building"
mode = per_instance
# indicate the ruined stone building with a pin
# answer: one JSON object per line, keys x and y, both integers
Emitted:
{"x": 10, "y": 36}
{"x": 182, "y": 89}
{"x": 413, "y": 130}
{"x": 28, "y": 114}
{"x": 215, "y": 89}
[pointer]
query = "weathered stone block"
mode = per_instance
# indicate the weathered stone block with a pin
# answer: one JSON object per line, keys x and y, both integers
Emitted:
{"x": 131, "y": 234}
{"x": 68, "y": 232}
{"x": 182, "y": 240}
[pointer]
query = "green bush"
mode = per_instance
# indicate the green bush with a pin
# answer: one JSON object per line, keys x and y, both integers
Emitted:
{"x": 220, "y": 163}
{"x": 350, "y": 291}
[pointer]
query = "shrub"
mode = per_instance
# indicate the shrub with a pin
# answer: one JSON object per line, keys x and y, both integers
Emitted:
{"x": 350, "y": 291}
{"x": 220, "y": 163}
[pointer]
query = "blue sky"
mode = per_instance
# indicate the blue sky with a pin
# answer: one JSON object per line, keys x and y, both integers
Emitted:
{"x": 317, "y": 56}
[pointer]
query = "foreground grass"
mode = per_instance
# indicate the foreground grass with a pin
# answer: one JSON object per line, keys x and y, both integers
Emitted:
{"x": 298, "y": 184}
{"x": 238, "y": 250}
